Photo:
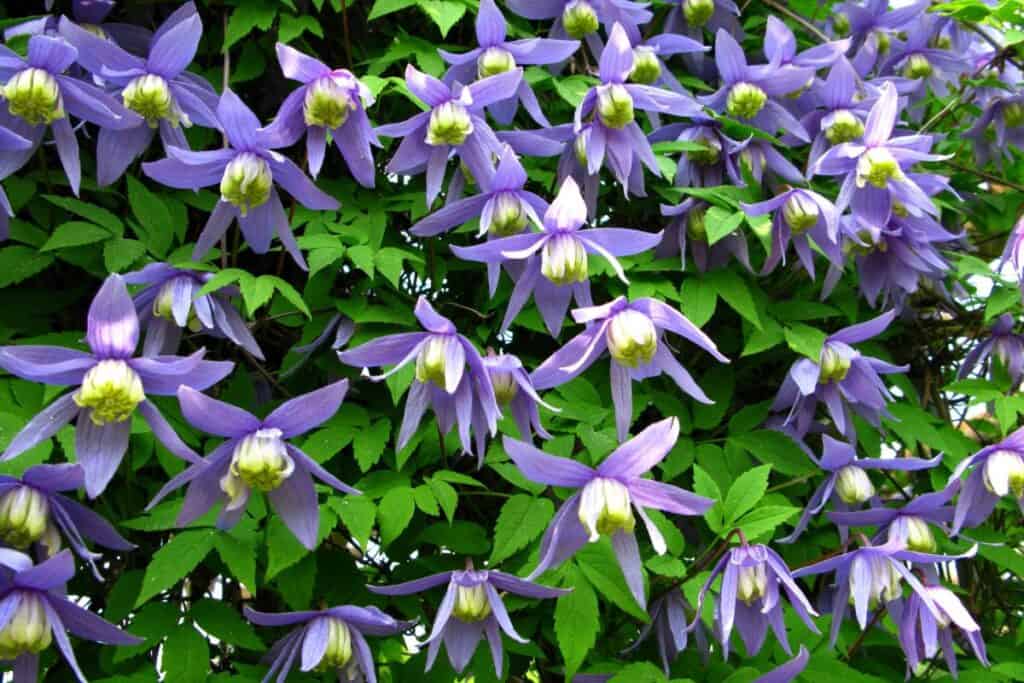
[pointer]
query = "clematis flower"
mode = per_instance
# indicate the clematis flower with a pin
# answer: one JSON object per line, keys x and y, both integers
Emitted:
{"x": 918, "y": 58}
{"x": 874, "y": 18}
{"x": 632, "y": 334}
{"x": 998, "y": 130}
{"x": 327, "y": 639}
{"x": 747, "y": 92}
{"x": 669, "y": 620}
{"x": 788, "y": 671}
{"x": 33, "y": 512}
{"x": 450, "y": 376}
{"x": 168, "y": 304}
{"x": 1003, "y": 346}
{"x": 996, "y": 471}
{"x": 649, "y": 67}
{"x": 453, "y": 126}
{"x": 35, "y": 611}
{"x": 1013, "y": 253}
{"x": 843, "y": 379}
{"x": 780, "y": 48}
{"x": 909, "y": 524}
{"x": 513, "y": 388}
{"x": 10, "y": 144}
{"x": 91, "y": 14}
{"x": 580, "y": 18}
{"x": 847, "y": 483}
{"x": 248, "y": 171}
{"x": 923, "y": 631}
{"x": 112, "y": 385}
{"x": 614, "y": 135}
{"x": 841, "y": 112}
{"x": 158, "y": 89}
{"x": 687, "y": 231}
{"x": 706, "y": 167}
{"x": 496, "y": 55}
{"x": 329, "y": 101}
{"x": 800, "y": 215}
{"x": 753, "y": 577}
{"x": 38, "y": 95}
{"x": 471, "y": 609}
{"x": 257, "y": 454}
{"x": 691, "y": 16}
{"x": 606, "y": 499}
{"x": 871, "y": 575}
{"x": 556, "y": 257}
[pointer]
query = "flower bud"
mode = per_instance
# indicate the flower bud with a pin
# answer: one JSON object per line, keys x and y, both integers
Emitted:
{"x": 1013, "y": 114}
{"x": 918, "y": 535}
{"x": 432, "y": 361}
{"x": 614, "y": 105}
{"x": 150, "y": 97}
{"x": 917, "y": 66}
{"x": 845, "y": 127}
{"x": 1003, "y": 473}
{"x": 112, "y": 390}
{"x": 505, "y": 386}
{"x": 632, "y": 338}
{"x": 752, "y": 583}
{"x": 246, "y": 182}
{"x": 28, "y": 631}
{"x": 471, "y": 603}
{"x": 853, "y": 485}
{"x": 33, "y": 94}
{"x": 605, "y": 508}
{"x": 840, "y": 24}
{"x": 579, "y": 19}
{"x": 646, "y": 66}
{"x": 696, "y": 226}
{"x": 24, "y": 513}
{"x": 698, "y": 12}
{"x": 709, "y": 156}
{"x": 884, "y": 42}
{"x": 563, "y": 260}
{"x": 877, "y": 166}
{"x": 327, "y": 103}
{"x": 508, "y": 217}
{"x": 339, "y": 645}
{"x": 494, "y": 61}
{"x": 261, "y": 460}
{"x": 745, "y": 100}
{"x": 800, "y": 212}
{"x": 449, "y": 124}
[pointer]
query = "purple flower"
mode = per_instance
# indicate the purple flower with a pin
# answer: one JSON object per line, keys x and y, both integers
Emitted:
{"x": 91, "y": 14}
{"x": 327, "y": 639}
{"x": 471, "y": 609}
{"x": 753, "y": 577}
{"x": 34, "y": 513}
{"x": 158, "y": 89}
{"x": 632, "y": 334}
{"x": 614, "y": 134}
{"x": 780, "y": 48}
{"x": 690, "y": 16}
{"x": 918, "y": 59}
{"x": 848, "y": 485}
{"x": 800, "y": 215}
{"x": 607, "y": 496}
{"x": 329, "y": 101}
{"x": 38, "y": 94}
{"x": 688, "y": 228}
{"x": 111, "y": 386}
{"x": 1002, "y": 115}
{"x": 1013, "y": 252}
{"x": 450, "y": 376}
{"x": 870, "y": 575}
{"x": 248, "y": 171}
{"x": 908, "y": 524}
{"x": 496, "y": 55}
{"x": 35, "y": 611}
{"x": 788, "y": 671}
{"x": 843, "y": 379}
{"x": 580, "y": 18}
{"x": 258, "y": 455}
{"x": 841, "y": 112}
{"x": 707, "y": 167}
{"x": 649, "y": 67}
{"x": 874, "y": 18}
{"x": 168, "y": 303}
{"x": 10, "y": 143}
{"x": 669, "y": 620}
{"x": 1003, "y": 346}
{"x": 746, "y": 92}
{"x": 996, "y": 471}
{"x": 922, "y": 631}
{"x": 454, "y": 125}
{"x": 513, "y": 388}
{"x": 556, "y": 257}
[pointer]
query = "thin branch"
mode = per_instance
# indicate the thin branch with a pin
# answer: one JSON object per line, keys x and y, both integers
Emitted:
{"x": 985, "y": 175}
{"x": 811, "y": 28}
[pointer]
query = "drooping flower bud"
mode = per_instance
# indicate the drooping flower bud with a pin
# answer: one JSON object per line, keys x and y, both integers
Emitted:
{"x": 853, "y": 485}
{"x": 432, "y": 361}
{"x": 246, "y": 182}
{"x": 646, "y": 66}
{"x": 449, "y": 124}
{"x": 698, "y": 12}
{"x": 150, "y": 97}
{"x": 1003, "y": 473}
{"x": 508, "y": 217}
{"x": 339, "y": 645}
{"x": 494, "y": 61}
{"x": 917, "y": 66}
{"x": 563, "y": 260}
{"x": 24, "y": 513}
{"x": 505, "y": 386}
{"x": 877, "y": 166}
{"x": 33, "y": 94}
{"x": 745, "y": 100}
{"x": 1013, "y": 114}
{"x": 615, "y": 105}
{"x": 579, "y": 19}
{"x": 28, "y": 631}
{"x": 844, "y": 127}
{"x": 696, "y": 226}
{"x": 605, "y": 508}
{"x": 884, "y": 581}
{"x": 800, "y": 212}
{"x": 261, "y": 461}
{"x": 471, "y": 603}
{"x": 632, "y": 338}
{"x": 328, "y": 102}
{"x": 752, "y": 583}
{"x": 918, "y": 534}
{"x": 709, "y": 156}
{"x": 112, "y": 390}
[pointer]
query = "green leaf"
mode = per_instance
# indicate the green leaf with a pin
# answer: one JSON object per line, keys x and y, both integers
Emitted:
{"x": 283, "y": 549}
{"x": 383, "y": 7}
{"x": 639, "y": 672}
{"x": 775, "y": 449}
{"x": 394, "y": 513}
{"x": 358, "y": 513}
{"x": 174, "y": 561}
{"x": 748, "y": 489}
{"x": 1001, "y": 300}
{"x": 704, "y": 485}
{"x": 239, "y": 556}
{"x": 699, "y": 299}
{"x": 765, "y": 519}
{"x": 601, "y": 567}
{"x": 289, "y": 293}
{"x": 720, "y": 223}
{"x": 223, "y": 622}
{"x": 256, "y": 291}
{"x": 522, "y": 519}
{"x": 577, "y": 622}
{"x": 736, "y": 292}
{"x": 805, "y": 340}
{"x": 425, "y": 501}
{"x": 369, "y": 444}
{"x": 222, "y": 279}
{"x": 444, "y": 13}
{"x": 120, "y": 253}
{"x": 573, "y": 88}
{"x": 292, "y": 27}
{"x": 151, "y": 213}
{"x": 186, "y": 656}
{"x": 91, "y": 212}
{"x": 460, "y": 537}
{"x": 247, "y": 16}
{"x": 18, "y": 263}
{"x": 75, "y": 234}
{"x": 446, "y": 495}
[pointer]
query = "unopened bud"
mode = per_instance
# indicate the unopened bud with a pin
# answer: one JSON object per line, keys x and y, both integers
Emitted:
{"x": 112, "y": 390}
{"x": 605, "y": 508}
{"x": 24, "y": 513}
{"x": 579, "y": 19}
{"x": 505, "y": 386}
{"x": 328, "y": 102}
{"x": 918, "y": 535}
{"x": 709, "y": 156}
{"x": 632, "y": 338}
{"x": 33, "y": 95}
{"x": 800, "y": 212}
{"x": 646, "y": 66}
{"x": 28, "y": 630}
{"x": 877, "y": 166}
{"x": 339, "y": 645}
{"x": 745, "y": 100}
{"x": 246, "y": 182}
{"x": 432, "y": 361}
{"x": 508, "y": 217}
{"x": 844, "y": 127}
{"x": 853, "y": 485}
{"x": 698, "y": 12}
{"x": 884, "y": 42}
{"x": 696, "y": 224}
{"x": 494, "y": 61}
{"x": 563, "y": 260}
{"x": 150, "y": 97}
{"x": 261, "y": 461}
{"x": 752, "y": 583}
{"x": 471, "y": 603}
{"x": 615, "y": 105}
{"x": 1003, "y": 473}
{"x": 917, "y": 66}
{"x": 449, "y": 124}
{"x": 1013, "y": 114}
